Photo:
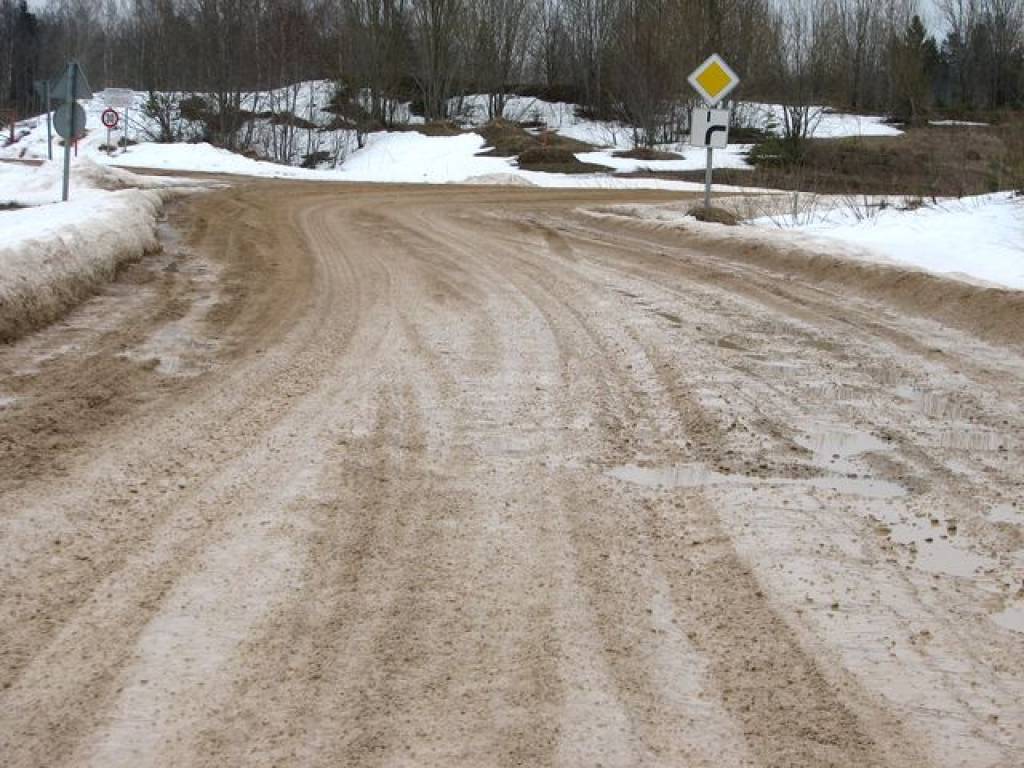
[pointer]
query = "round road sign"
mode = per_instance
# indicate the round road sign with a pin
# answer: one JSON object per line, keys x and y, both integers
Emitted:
{"x": 110, "y": 118}
{"x": 62, "y": 120}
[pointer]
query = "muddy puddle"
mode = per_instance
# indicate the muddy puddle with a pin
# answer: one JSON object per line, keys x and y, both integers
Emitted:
{"x": 975, "y": 439}
{"x": 698, "y": 476}
{"x": 937, "y": 405}
{"x": 835, "y": 453}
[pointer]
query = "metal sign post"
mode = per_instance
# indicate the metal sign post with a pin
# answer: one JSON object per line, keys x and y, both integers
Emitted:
{"x": 70, "y": 118}
{"x": 49, "y": 120}
{"x": 71, "y": 132}
{"x": 713, "y": 80}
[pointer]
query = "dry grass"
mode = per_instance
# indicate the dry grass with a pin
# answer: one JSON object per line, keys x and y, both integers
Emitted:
{"x": 555, "y": 160}
{"x": 433, "y": 128}
{"x": 646, "y": 153}
{"x": 509, "y": 139}
{"x": 542, "y": 152}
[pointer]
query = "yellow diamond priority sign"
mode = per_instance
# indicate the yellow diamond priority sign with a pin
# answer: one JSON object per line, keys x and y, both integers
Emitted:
{"x": 714, "y": 79}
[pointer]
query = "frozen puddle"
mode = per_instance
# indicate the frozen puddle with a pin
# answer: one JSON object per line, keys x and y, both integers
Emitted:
{"x": 832, "y": 451}
{"x": 6, "y": 401}
{"x": 1011, "y": 618}
{"x": 684, "y": 476}
{"x": 697, "y": 476}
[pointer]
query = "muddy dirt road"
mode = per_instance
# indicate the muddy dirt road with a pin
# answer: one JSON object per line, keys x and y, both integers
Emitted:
{"x": 474, "y": 477}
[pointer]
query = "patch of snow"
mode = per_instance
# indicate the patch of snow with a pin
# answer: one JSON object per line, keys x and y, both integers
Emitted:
{"x": 408, "y": 156}
{"x": 201, "y": 158}
{"x": 827, "y": 123}
{"x": 605, "y": 181}
{"x": 693, "y": 159}
{"x": 979, "y": 237}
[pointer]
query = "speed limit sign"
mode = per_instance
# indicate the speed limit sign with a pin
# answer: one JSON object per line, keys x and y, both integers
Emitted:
{"x": 110, "y": 118}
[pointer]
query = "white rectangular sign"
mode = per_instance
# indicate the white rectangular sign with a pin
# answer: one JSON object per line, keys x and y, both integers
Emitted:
{"x": 709, "y": 128}
{"x": 118, "y": 98}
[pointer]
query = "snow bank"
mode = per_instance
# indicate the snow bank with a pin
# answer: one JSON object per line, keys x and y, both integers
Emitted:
{"x": 41, "y": 184}
{"x": 980, "y": 238}
{"x": 53, "y": 255}
{"x": 992, "y": 310}
{"x": 201, "y": 158}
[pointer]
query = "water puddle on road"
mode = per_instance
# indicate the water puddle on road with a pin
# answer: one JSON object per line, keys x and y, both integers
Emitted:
{"x": 1011, "y": 618}
{"x": 933, "y": 550}
{"x": 697, "y": 476}
{"x": 933, "y": 404}
{"x": 683, "y": 476}
{"x": 831, "y": 448}
{"x": 832, "y": 451}
{"x": 973, "y": 439}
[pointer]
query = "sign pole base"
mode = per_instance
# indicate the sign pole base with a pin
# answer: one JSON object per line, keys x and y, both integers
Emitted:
{"x": 707, "y": 181}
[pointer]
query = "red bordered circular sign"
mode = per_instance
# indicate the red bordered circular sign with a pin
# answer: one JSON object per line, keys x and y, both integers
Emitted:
{"x": 110, "y": 118}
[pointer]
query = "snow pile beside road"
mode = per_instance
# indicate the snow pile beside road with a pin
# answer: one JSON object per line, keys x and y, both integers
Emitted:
{"x": 53, "y": 255}
{"x": 981, "y": 238}
{"x": 202, "y": 158}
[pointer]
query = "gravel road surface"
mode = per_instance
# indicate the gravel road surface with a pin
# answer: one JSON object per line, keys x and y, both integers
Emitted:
{"x": 456, "y": 476}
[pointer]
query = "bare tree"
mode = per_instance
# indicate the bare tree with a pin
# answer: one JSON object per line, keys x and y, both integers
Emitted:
{"x": 502, "y": 36}
{"x": 439, "y": 52}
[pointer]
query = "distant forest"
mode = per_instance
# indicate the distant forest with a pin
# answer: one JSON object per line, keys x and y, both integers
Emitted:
{"x": 621, "y": 59}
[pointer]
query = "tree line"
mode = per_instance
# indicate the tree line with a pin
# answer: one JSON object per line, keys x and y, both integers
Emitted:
{"x": 618, "y": 59}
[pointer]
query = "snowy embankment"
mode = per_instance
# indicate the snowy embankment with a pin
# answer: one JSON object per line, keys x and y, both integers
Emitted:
{"x": 53, "y": 255}
{"x": 958, "y": 262}
{"x": 975, "y": 238}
